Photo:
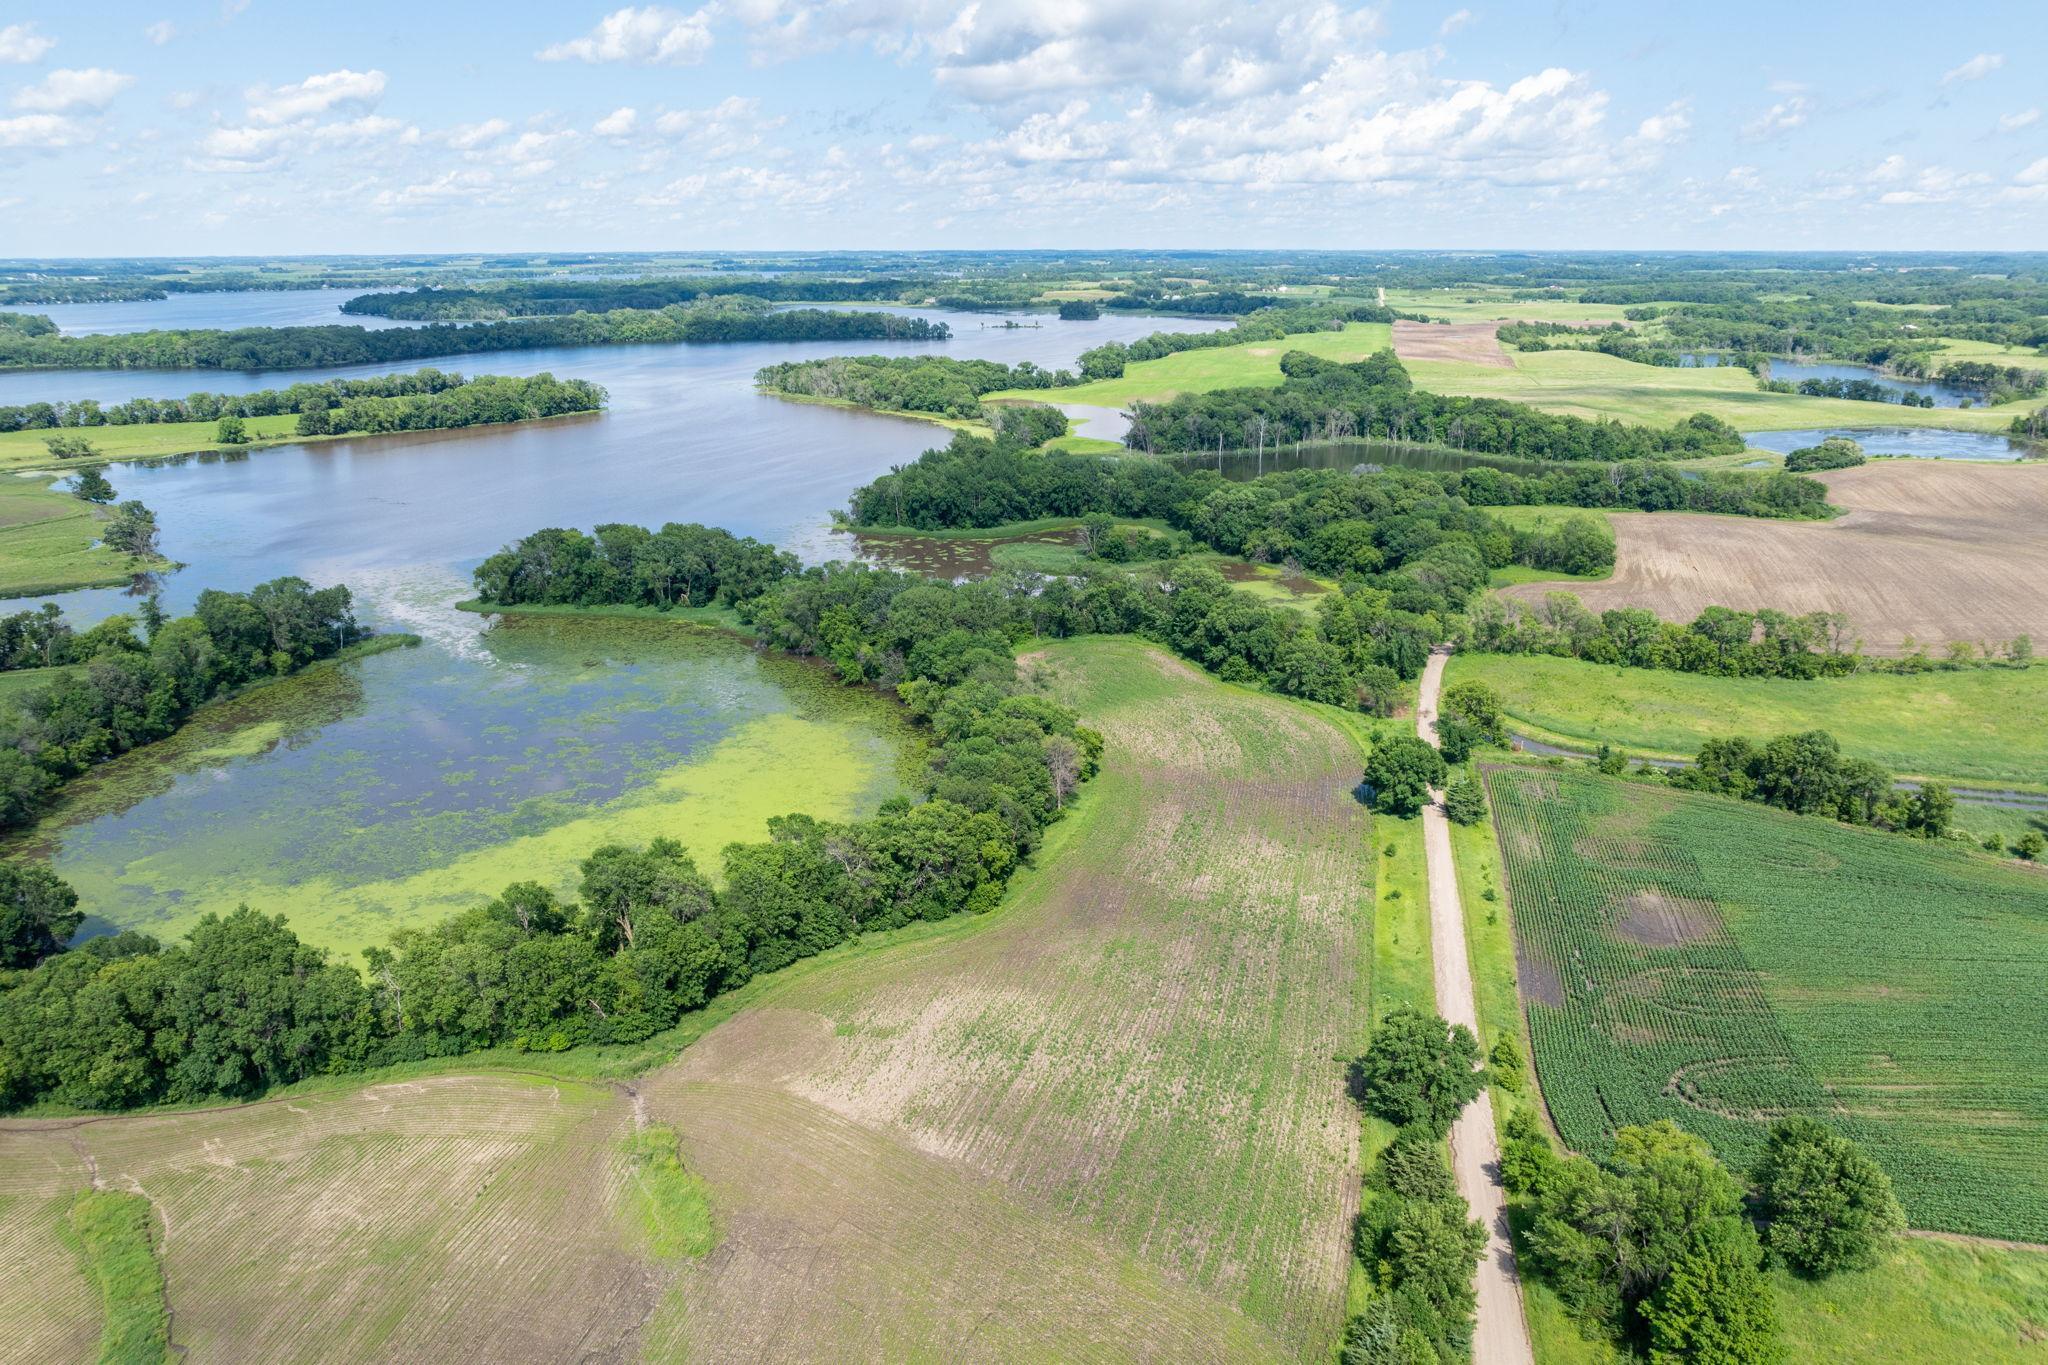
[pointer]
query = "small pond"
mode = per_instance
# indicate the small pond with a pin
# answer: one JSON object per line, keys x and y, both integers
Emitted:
{"x": 1931, "y": 443}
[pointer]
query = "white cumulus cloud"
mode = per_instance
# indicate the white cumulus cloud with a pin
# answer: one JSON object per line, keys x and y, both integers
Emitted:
{"x": 42, "y": 132}
{"x": 2025, "y": 118}
{"x": 66, "y": 91}
{"x": 21, "y": 43}
{"x": 650, "y": 35}
{"x": 617, "y": 123}
{"x": 316, "y": 95}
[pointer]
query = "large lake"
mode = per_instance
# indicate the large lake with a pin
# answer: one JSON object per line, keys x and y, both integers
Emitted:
{"x": 396, "y": 788}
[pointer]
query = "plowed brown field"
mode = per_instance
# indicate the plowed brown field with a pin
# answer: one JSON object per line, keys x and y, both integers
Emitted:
{"x": 1927, "y": 550}
{"x": 1470, "y": 343}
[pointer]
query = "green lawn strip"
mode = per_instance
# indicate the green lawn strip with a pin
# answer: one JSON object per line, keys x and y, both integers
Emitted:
{"x": 1972, "y": 726}
{"x": 1252, "y": 364}
{"x": 1401, "y": 960}
{"x": 669, "y": 1203}
{"x": 49, "y": 543}
{"x": 1594, "y": 385}
{"x": 114, "y": 1234}
{"x": 25, "y": 450}
{"x": 1956, "y": 349}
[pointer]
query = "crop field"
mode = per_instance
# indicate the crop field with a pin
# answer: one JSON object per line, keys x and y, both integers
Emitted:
{"x": 1252, "y": 365}
{"x": 1722, "y": 964}
{"x": 1468, "y": 343}
{"x": 1973, "y": 725}
{"x": 1593, "y": 385}
{"x": 1927, "y": 551}
{"x": 1108, "y": 1121}
{"x": 461, "y": 1217}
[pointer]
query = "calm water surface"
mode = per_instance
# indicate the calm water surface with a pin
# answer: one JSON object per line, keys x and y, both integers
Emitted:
{"x": 227, "y": 309}
{"x": 397, "y": 788}
{"x": 1924, "y": 442}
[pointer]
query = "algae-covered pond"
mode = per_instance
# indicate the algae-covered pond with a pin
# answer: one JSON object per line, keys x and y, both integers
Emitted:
{"x": 396, "y": 789}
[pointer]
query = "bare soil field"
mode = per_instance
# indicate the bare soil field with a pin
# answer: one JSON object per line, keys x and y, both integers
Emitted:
{"x": 1469, "y": 343}
{"x": 1115, "y": 1110}
{"x": 456, "y": 1218}
{"x": 1926, "y": 551}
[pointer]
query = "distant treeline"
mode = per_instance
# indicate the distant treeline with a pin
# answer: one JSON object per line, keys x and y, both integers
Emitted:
{"x": 1857, "y": 390}
{"x": 132, "y": 690}
{"x": 1997, "y": 383}
{"x": 242, "y": 1005}
{"x": 549, "y": 298}
{"x": 433, "y": 398}
{"x": 1374, "y": 399}
{"x": 276, "y": 348}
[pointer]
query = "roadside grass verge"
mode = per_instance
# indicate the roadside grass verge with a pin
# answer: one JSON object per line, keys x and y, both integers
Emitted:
{"x": 1976, "y": 726}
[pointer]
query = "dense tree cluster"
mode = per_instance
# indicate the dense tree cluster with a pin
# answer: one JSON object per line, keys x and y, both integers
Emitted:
{"x": 1996, "y": 383}
{"x": 243, "y": 1005}
{"x": 286, "y": 348}
{"x": 1834, "y": 452}
{"x": 1649, "y": 1245}
{"x": 1808, "y": 774}
{"x": 907, "y": 383}
{"x": 1373, "y": 399}
{"x": 1720, "y": 641}
{"x": 27, "y": 324}
{"x": 1856, "y": 390}
{"x": 1079, "y": 310}
{"x": 677, "y": 566}
{"x": 347, "y": 404}
{"x": 1826, "y": 1206}
{"x": 552, "y": 298}
{"x": 131, "y": 690}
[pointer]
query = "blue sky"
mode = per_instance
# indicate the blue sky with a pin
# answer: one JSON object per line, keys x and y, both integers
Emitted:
{"x": 259, "y": 126}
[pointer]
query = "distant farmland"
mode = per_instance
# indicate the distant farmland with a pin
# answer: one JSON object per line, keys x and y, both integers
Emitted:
{"x": 1722, "y": 964}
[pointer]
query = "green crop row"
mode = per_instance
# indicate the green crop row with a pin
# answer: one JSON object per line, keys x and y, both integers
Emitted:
{"x": 1721, "y": 964}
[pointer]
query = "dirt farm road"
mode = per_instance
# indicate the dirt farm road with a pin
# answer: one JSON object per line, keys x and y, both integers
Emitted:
{"x": 1502, "y": 1335}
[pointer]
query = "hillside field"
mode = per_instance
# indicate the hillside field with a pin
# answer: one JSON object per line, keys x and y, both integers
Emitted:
{"x": 1973, "y": 725}
{"x": 1926, "y": 552}
{"x": 1134, "y": 1067}
{"x": 1593, "y": 385}
{"x": 1721, "y": 964}
{"x": 1254, "y": 364}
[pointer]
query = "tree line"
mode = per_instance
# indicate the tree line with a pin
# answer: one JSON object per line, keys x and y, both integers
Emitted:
{"x": 279, "y": 348}
{"x": 549, "y": 298}
{"x": 133, "y": 689}
{"x": 907, "y": 383}
{"x": 242, "y": 1004}
{"x": 1374, "y": 399}
{"x": 1808, "y": 774}
{"x": 208, "y": 407}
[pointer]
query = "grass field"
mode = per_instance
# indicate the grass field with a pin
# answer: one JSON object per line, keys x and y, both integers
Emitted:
{"x": 142, "y": 440}
{"x": 1135, "y": 1064}
{"x": 1252, "y": 365}
{"x": 114, "y": 1234}
{"x": 1973, "y": 725}
{"x": 1721, "y": 964}
{"x": 1954, "y": 349}
{"x": 1592, "y": 385}
{"x": 48, "y": 543}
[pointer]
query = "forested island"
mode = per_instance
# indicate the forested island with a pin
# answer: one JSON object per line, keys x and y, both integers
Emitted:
{"x": 550, "y": 298}
{"x": 268, "y": 348}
